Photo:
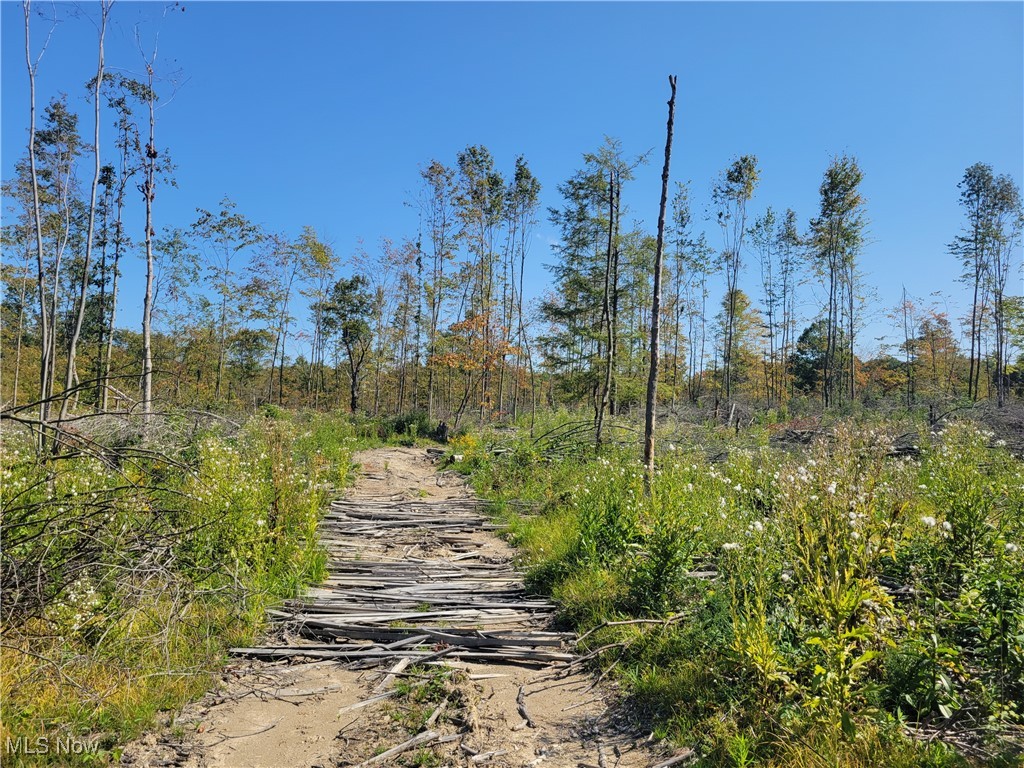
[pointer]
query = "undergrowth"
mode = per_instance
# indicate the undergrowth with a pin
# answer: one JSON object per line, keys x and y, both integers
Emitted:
{"x": 127, "y": 574}
{"x": 845, "y": 603}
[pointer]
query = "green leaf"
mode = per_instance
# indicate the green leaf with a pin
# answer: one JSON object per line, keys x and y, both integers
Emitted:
{"x": 849, "y": 728}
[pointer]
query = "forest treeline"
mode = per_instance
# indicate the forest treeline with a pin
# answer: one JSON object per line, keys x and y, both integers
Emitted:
{"x": 761, "y": 307}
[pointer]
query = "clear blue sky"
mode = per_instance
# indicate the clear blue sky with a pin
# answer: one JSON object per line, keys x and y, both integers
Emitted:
{"x": 323, "y": 113}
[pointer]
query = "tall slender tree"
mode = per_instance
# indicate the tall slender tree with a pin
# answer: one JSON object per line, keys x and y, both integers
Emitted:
{"x": 123, "y": 92}
{"x": 790, "y": 247}
{"x": 993, "y": 210}
{"x": 347, "y": 314}
{"x": 71, "y": 373}
{"x": 730, "y": 195}
{"x": 319, "y": 265}
{"x": 652, "y": 379}
{"x": 46, "y": 362}
{"x": 481, "y": 198}
{"x": 837, "y": 236}
{"x": 521, "y": 198}
{"x": 225, "y": 235}
{"x": 437, "y": 205}
{"x": 609, "y": 162}
{"x": 148, "y": 190}
{"x": 1008, "y": 220}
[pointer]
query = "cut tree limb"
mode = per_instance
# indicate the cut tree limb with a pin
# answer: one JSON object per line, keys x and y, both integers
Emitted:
{"x": 681, "y": 757}
{"x": 416, "y": 741}
{"x": 521, "y": 705}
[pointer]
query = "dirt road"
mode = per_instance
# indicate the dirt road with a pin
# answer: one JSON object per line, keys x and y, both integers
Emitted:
{"x": 443, "y": 706}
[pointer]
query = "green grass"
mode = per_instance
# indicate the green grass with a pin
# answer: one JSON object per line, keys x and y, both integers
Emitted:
{"x": 849, "y": 595}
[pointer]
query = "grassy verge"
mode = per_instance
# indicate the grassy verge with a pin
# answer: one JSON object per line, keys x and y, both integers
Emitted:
{"x": 845, "y": 603}
{"x": 126, "y": 578}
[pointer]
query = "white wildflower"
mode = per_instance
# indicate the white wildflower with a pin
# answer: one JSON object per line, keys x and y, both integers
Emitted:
{"x": 928, "y": 520}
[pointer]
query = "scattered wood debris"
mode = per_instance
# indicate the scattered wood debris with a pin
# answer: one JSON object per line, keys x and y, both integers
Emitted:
{"x": 383, "y": 602}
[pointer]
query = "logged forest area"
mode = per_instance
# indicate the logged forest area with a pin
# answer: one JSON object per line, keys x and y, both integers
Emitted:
{"x": 582, "y": 450}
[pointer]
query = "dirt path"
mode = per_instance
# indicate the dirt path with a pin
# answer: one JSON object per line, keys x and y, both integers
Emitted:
{"x": 465, "y": 709}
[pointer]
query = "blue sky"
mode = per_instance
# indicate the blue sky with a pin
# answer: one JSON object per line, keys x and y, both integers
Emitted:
{"x": 323, "y": 113}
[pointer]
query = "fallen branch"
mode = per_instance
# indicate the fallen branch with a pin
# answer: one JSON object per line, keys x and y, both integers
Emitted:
{"x": 681, "y": 757}
{"x": 416, "y": 741}
{"x": 436, "y": 714}
{"x": 224, "y": 738}
{"x": 665, "y": 622}
{"x": 521, "y": 705}
{"x": 390, "y": 676}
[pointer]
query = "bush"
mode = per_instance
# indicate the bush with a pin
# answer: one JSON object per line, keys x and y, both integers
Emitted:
{"x": 412, "y": 425}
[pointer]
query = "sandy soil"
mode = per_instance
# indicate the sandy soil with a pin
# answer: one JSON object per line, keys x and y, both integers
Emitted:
{"x": 266, "y": 715}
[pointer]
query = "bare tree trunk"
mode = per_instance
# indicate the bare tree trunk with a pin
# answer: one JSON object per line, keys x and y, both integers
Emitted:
{"x": 109, "y": 353}
{"x": 974, "y": 363}
{"x": 1000, "y": 267}
{"x": 435, "y": 312}
{"x": 851, "y": 303}
{"x": 71, "y": 374}
{"x": 908, "y": 348}
{"x": 652, "y": 379}
{"x": 101, "y": 341}
{"x": 60, "y": 244}
{"x": 21, "y": 324}
{"x": 149, "y": 192}
{"x": 970, "y": 370}
{"x": 606, "y": 319}
{"x": 830, "y": 336}
{"x": 613, "y": 353}
{"x": 222, "y": 335}
{"x": 45, "y": 330}
{"x": 282, "y": 333}
{"x": 676, "y": 327}
{"x": 522, "y": 335}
